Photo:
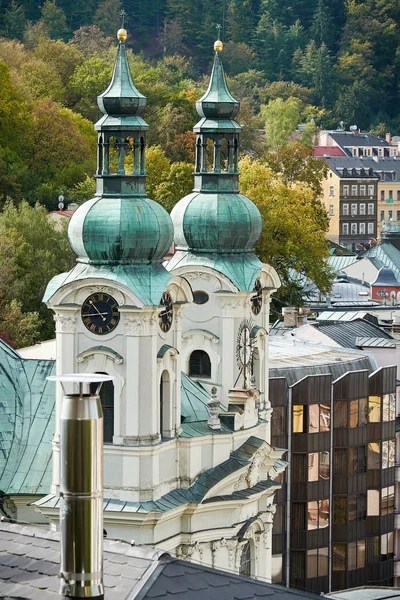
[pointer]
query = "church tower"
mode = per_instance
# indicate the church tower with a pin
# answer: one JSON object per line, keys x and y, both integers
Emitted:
{"x": 119, "y": 310}
{"x": 187, "y": 468}
{"x": 216, "y": 229}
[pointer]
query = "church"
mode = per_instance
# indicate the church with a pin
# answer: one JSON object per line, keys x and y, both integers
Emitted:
{"x": 188, "y": 463}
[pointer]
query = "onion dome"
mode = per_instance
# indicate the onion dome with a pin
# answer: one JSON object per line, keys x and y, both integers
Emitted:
{"x": 121, "y": 225}
{"x": 120, "y": 231}
{"x": 216, "y": 218}
{"x": 121, "y": 97}
{"x": 216, "y": 223}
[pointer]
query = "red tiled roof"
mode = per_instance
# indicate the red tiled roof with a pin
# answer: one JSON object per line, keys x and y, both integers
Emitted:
{"x": 328, "y": 151}
{"x": 63, "y": 213}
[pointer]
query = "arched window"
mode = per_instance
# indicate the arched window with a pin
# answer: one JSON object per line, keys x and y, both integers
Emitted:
{"x": 199, "y": 364}
{"x": 165, "y": 405}
{"x": 107, "y": 404}
{"x": 245, "y": 561}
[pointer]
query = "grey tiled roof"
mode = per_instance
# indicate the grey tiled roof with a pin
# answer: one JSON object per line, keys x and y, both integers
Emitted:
{"x": 180, "y": 580}
{"x": 30, "y": 563}
{"x": 346, "y": 333}
{"x": 345, "y": 139}
{"x": 29, "y": 567}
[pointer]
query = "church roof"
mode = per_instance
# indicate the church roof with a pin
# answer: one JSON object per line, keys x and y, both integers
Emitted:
{"x": 147, "y": 282}
{"x": 30, "y": 558}
{"x": 27, "y": 403}
{"x": 194, "y": 398}
{"x": 121, "y": 103}
{"x": 200, "y": 488}
{"x": 241, "y": 269}
{"x": 27, "y": 420}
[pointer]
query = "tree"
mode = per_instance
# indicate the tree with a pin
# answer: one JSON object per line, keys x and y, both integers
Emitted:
{"x": 167, "y": 182}
{"x": 21, "y": 328}
{"x": 107, "y": 16}
{"x": 280, "y": 120}
{"x": 238, "y": 57}
{"x": 322, "y": 28}
{"x": 295, "y": 163}
{"x": 31, "y": 253}
{"x": 14, "y": 20}
{"x": 177, "y": 184}
{"x": 316, "y": 71}
{"x": 292, "y": 239}
{"x": 54, "y": 21}
{"x": 170, "y": 38}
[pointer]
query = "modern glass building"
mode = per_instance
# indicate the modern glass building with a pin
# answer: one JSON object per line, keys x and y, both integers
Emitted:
{"x": 334, "y": 524}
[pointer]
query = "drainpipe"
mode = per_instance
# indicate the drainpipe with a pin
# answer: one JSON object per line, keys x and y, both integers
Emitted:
{"x": 288, "y": 487}
{"x": 81, "y": 488}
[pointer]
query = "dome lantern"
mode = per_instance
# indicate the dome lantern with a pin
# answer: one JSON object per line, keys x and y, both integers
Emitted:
{"x": 121, "y": 226}
{"x": 216, "y": 218}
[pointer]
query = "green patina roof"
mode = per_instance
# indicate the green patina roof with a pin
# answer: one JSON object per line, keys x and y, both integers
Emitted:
{"x": 217, "y": 102}
{"x": 194, "y": 398}
{"x": 27, "y": 420}
{"x": 241, "y": 269}
{"x": 147, "y": 282}
{"x": 196, "y": 493}
{"x": 121, "y": 97}
{"x": 27, "y": 405}
{"x": 216, "y": 222}
{"x": 120, "y": 230}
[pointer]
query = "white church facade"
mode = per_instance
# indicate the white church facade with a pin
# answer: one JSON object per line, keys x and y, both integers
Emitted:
{"x": 188, "y": 464}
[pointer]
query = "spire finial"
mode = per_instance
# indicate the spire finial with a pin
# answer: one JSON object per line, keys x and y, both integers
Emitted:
{"x": 218, "y": 45}
{"x": 122, "y": 33}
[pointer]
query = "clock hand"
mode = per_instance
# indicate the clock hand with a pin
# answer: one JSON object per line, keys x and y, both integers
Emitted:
{"x": 94, "y": 314}
{"x": 96, "y": 309}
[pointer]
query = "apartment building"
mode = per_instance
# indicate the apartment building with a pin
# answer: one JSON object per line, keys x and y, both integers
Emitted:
{"x": 350, "y": 198}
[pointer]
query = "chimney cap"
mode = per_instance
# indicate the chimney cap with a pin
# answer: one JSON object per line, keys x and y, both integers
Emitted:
{"x": 81, "y": 378}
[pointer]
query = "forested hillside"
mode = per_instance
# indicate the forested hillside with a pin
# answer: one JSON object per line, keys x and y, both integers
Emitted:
{"x": 343, "y": 54}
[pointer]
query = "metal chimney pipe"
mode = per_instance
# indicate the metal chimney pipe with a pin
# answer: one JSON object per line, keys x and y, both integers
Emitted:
{"x": 81, "y": 489}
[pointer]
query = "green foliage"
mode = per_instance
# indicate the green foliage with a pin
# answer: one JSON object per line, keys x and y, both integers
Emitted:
{"x": 22, "y": 328}
{"x": 292, "y": 237}
{"x": 280, "y": 120}
{"x": 31, "y": 253}
{"x": 167, "y": 182}
{"x": 54, "y": 21}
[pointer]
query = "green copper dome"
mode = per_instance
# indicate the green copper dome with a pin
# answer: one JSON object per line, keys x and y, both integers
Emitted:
{"x": 120, "y": 231}
{"x": 121, "y": 98}
{"x": 217, "y": 102}
{"x": 220, "y": 222}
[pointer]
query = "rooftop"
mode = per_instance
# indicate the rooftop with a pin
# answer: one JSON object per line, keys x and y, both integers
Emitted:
{"x": 295, "y": 359}
{"x": 29, "y": 567}
{"x": 347, "y": 333}
{"x": 348, "y": 138}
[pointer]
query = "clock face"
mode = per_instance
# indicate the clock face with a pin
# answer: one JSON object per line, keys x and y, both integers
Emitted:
{"x": 166, "y": 316}
{"x": 257, "y": 299}
{"x": 244, "y": 344}
{"x": 100, "y": 313}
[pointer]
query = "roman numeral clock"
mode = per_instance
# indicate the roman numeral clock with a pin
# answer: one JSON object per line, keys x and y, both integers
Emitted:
{"x": 100, "y": 313}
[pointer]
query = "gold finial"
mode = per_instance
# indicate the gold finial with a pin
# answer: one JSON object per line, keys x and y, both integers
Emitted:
{"x": 218, "y": 45}
{"x": 122, "y": 33}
